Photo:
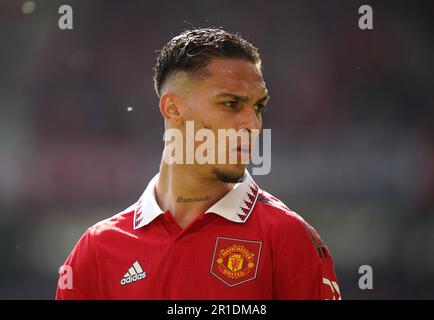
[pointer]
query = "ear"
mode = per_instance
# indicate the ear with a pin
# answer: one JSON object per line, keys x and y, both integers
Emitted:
{"x": 169, "y": 108}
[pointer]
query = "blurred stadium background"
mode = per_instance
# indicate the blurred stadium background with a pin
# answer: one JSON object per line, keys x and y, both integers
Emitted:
{"x": 352, "y": 119}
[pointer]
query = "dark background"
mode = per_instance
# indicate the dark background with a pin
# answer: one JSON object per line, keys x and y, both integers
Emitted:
{"x": 352, "y": 119}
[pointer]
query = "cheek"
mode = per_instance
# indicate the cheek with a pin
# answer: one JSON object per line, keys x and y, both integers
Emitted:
{"x": 197, "y": 109}
{"x": 206, "y": 115}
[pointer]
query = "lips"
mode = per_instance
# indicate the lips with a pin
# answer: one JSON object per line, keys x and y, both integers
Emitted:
{"x": 243, "y": 153}
{"x": 243, "y": 149}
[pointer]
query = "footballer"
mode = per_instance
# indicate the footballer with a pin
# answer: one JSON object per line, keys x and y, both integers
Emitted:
{"x": 204, "y": 230}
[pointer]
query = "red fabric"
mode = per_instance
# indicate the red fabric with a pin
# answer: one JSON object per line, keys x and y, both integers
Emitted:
{"x": 292, "y": 263}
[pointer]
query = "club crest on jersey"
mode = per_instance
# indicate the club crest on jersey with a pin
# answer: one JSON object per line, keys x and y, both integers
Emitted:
{"x": 235, "y": 261}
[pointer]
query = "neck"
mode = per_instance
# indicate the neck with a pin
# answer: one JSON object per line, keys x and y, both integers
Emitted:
{"x": 186, "y": 193}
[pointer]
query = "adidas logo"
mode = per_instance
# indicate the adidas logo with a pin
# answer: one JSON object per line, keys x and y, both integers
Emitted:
{"x": 135, "y": 273}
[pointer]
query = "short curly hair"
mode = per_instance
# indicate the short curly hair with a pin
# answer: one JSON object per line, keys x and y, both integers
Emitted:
{"x": 192, "y": 50}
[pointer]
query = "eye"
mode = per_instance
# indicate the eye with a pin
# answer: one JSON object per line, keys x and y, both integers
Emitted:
{"x": 231, "y": 104}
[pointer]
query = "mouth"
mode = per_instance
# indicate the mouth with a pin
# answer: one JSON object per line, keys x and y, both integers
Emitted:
{"x": 243, "y": 150}
{"x": 243, "y": 153}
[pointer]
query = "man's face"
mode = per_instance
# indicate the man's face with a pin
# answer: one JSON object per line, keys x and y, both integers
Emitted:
{"x": 230, "y": 95}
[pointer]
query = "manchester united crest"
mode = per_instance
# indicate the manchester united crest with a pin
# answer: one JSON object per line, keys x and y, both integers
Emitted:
{"x": 235, "y": 261}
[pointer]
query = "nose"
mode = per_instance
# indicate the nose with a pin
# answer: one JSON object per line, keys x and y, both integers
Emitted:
{"x": 250, "y": 119}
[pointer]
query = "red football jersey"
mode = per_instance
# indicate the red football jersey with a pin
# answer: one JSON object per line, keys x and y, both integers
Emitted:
{"x": 248, "y": 245}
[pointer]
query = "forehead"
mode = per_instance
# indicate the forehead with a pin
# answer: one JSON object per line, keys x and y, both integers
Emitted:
{"x": 233, "y": 75}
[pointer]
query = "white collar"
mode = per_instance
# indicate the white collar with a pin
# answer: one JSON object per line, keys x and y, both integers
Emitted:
{"x": 235, "y": 206}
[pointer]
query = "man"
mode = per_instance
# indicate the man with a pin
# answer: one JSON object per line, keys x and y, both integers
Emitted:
{"x": 204, "y": 231}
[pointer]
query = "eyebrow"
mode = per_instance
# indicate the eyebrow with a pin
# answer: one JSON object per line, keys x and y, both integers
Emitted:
{"x": 241, "y": 98}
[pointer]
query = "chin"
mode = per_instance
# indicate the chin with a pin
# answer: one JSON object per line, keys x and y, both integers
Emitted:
{"x": 230, "y": 173}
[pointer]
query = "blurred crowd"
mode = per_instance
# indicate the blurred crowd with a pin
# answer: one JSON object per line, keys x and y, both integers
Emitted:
{"x": 351, "y": 114}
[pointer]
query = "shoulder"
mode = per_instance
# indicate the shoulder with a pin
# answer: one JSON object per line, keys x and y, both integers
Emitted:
{"x": 287, "y": 226}
{"x": 103, "y": 235}
{"x": 119, "y": 224}
{"x": 275, "y": 212}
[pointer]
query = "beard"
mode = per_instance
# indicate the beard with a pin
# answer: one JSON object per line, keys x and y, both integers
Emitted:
{"x": 229, "y": 176}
